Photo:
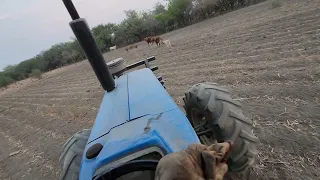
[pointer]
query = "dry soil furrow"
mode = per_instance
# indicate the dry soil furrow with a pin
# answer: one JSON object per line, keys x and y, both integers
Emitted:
{"x": 288, "y": 110}
{"x": 246, "y": 17}
{"x": 68, "y": 85}
{"x": 256, "y": 37}
{"x": 234, "y": 37}
{"x": 93, "y": 87}
{"x": 47, "y": 105}
{"x": 273, "y": 67}
{"x": 216, "y": 61}
{"x": 236, "y": 80}
{"x": 283, "y": 25}
{"x": 67, "y": 78}
{"x": 27, "y": 162}
{"x": 52, "y": 119}
{"x": 295, "y": 90}
{"x": 294, "y": 23}
{"x": 299, "y": 91}
{"x": 246, "y": 62}
{"x": 279, "y": 109}
{"x": 71, "y": 94}
{"x": 56, "y": 99}
{"x": 307, "y": 47}
{"x": 75, "y": 103}
{"x": 44, "y": 123}
{"x": 242, "y": 50}
{"x": 21, "y": 122}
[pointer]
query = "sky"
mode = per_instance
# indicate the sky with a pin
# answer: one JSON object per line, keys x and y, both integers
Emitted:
{"x": 29, "y": 26}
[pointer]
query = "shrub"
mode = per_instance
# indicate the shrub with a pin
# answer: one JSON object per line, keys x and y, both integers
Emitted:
{"x": 5, "y": 81}
{"x": 36, "y": 73}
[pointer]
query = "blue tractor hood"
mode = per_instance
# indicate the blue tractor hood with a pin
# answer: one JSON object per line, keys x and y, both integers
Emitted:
{"x": 137, "y": 115}
{"x": 137, "y": 94}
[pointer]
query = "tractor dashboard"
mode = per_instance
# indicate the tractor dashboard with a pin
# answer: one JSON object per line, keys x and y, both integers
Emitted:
{"x": 136, "y": 166}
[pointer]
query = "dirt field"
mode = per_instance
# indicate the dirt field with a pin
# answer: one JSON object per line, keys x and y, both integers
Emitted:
{"x": 268, "y": 57}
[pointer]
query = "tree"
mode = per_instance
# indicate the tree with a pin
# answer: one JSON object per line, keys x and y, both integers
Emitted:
{"x": 159, "y": 8}
{"x": 75, "y": 46}
{"x": 23, "y": 69}
{"x": 39, "y": 63}
{"x": 120, "y": 35}
{"x": 133, "y": 25}
{"x": 150, "y": 26}
{"x": 103, "y": 35}
{"x": 180, "y": 10}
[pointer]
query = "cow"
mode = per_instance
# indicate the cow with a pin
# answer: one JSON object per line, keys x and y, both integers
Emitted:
{"x": 148, "y": 40}
{"x": 158, "y": 40}
{"x": 154, "y": 39}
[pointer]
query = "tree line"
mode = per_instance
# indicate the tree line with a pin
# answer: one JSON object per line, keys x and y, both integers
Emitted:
{"x": 137, "y": 25}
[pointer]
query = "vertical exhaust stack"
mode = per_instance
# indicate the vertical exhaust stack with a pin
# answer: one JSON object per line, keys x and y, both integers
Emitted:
{"x": 82, "y": 32}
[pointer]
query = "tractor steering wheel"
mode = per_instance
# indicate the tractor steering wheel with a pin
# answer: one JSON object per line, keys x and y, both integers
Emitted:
{"x": 132, "y": 167}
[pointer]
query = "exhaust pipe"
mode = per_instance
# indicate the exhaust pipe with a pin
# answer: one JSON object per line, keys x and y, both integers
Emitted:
{"x": 83, "y": 33}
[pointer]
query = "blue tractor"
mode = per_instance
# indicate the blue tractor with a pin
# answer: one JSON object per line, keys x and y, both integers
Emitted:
{"x": 138, "y": 123}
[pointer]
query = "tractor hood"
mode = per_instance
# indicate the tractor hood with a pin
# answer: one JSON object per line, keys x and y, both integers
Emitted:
{"x": 137, "y": 94}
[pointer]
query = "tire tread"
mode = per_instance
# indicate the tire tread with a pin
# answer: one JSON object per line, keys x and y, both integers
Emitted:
{"x": 71, "y": 155}
{"x": 226, "y": 114}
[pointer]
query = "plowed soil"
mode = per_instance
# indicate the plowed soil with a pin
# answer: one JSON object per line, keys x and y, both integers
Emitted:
{"x": 269, "y": 58}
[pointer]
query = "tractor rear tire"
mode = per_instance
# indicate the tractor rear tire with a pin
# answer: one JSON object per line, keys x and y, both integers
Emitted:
{"x": 71, "y": 155}
{"x": 213, "y": 106}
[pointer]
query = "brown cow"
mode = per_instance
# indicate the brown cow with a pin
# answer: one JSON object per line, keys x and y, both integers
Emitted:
{"x": 148, "y": 40}
{"x": 158, "y": 40}
{"x": 154, "y": 39}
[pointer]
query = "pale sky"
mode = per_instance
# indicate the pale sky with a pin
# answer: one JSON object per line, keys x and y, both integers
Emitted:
{"x": 30, "y": 26}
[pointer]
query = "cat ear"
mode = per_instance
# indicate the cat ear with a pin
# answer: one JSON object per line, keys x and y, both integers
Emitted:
{"x": 208, "y": 161}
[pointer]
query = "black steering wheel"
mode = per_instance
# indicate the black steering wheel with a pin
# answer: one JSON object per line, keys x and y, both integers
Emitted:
{"x": 130, "y": 167}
